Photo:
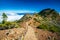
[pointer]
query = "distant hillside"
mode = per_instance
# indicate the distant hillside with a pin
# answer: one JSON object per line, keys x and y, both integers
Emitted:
{"x": 49, "y": 13}
{"x": 51, "y": 19}
{"x": 47, "y": 17}
{"x": 47, "y": 20}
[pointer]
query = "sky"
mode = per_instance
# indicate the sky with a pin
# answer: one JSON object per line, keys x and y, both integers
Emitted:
{"x": 12, "y": 7}
{"x": 29, "y": 5}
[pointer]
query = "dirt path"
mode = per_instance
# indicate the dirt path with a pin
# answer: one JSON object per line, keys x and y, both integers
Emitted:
{"x": 30, "y": 35}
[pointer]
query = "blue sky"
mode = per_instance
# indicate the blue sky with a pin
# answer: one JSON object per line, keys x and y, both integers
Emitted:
{"x": 12, "y": 7}
{"x": 29, "y": 5}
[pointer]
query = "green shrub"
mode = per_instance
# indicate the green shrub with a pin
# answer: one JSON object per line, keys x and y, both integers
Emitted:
{"x": 52, "y": 28}
{"x": 9, "y": 25}
{"x": 45, "y": 27}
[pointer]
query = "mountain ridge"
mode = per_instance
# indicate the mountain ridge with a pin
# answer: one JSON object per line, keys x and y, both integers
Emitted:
{"x": 34, "y": 27}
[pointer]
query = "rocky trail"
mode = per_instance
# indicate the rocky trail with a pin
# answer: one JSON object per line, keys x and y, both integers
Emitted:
{"x": 30, "y": 33}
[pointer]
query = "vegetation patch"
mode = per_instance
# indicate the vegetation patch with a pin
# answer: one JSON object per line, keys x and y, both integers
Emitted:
{"x": 6, "y": 24}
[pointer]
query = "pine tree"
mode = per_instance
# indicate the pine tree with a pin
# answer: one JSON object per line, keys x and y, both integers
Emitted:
{"x": 4, "y": 16}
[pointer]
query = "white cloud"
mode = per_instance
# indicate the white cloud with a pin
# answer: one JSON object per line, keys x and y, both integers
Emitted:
{"x": 0, "y": 18}
{"x": 12, "y": 18}
{"x": 12, "y": 14}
